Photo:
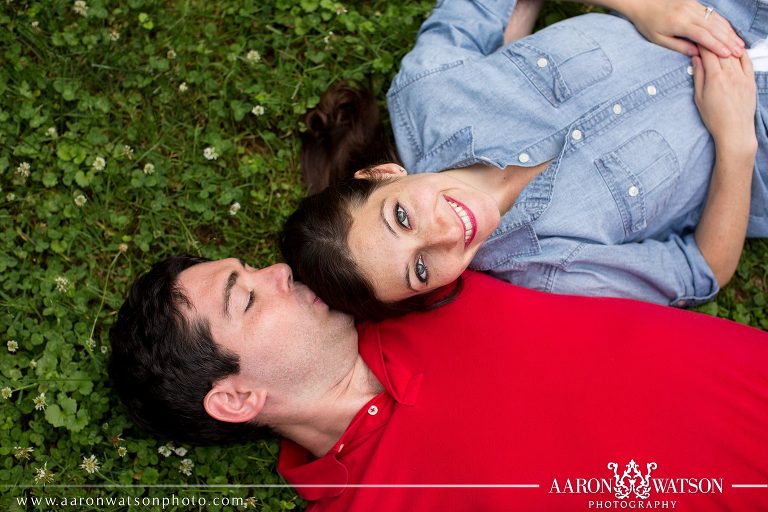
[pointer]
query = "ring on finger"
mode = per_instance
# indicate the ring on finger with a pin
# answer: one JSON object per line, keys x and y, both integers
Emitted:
{"x": 708, "y": 12}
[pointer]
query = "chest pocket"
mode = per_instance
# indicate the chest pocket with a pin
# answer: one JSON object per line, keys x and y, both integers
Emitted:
{"x": 641, "y": 175}
{"x": 560, "y": 62}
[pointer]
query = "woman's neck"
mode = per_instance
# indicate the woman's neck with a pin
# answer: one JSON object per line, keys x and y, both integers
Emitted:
{"x": 504, "y": 185}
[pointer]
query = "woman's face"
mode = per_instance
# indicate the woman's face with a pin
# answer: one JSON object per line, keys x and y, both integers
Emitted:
{"x": 419, "y": 232}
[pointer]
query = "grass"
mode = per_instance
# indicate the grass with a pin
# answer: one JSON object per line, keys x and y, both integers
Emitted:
{"x": 110, "y": 115}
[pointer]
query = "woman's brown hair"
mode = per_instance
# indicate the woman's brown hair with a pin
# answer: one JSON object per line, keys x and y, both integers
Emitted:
{"x": 344, "y": 134}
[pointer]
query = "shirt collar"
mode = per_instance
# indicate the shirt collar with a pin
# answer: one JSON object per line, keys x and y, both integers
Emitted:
{"x": 401, "y": 387}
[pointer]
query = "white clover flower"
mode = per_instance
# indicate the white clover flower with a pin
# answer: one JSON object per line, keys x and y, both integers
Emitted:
{"x": 149, "y": 169}
{"x": 62, "y": 284}
{"x": 99, "y": 163}
{"x": 22, "y": 453}
{"x": 258, "y": 110}
{"x": 90, "y": 343}
{"x": 210, "y": 153}
{"x": 128, "y": 152}
{"x": 40, "y": 402}
{"x": 114, "y": 35}
{"x": 23, "y": 169}
{"x": 165, "y": 450}
{"x": 52, "y": 133}
{"x": 35, "y": 24}
{"x": 44, "y": 475}
{"x": 6, "y": 392}
{"x": 253, "y": 57}
{"x": 183, "y": 87}
{"x": 80, "y": 200}
{"x": 250, "y": 502}
{"x": 170, "y": 54}
{"x": 80, "y": 7}
{"x": 327, "y": 38}
{"x": 180, "y": 451}
{"x": 121, "y": 451}
{"x": 90, "y": 464}
{"x": 10, "y": 197}
{"x": 234, "y": 208}
{"x": 122, "y": 247}
{"x": 185, "y": 467}
{"x": 340, "y": 9}
{"x": 33, "y": 364}
{"x": 12, "y": 345}
{"x": 104, "y": 349}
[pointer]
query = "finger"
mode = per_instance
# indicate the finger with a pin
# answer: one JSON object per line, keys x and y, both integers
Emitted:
{"x": 678, "y": 45}
{"x": 709, "y": 60}
{"x": 722, "y": 30}
{"x": 746, "y": 64}
{"x": 698, "y": 77}
{"x": 704, "y": 37}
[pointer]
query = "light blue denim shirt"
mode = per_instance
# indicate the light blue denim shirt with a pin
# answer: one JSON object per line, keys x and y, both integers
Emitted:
{"x": 614, "y": 214}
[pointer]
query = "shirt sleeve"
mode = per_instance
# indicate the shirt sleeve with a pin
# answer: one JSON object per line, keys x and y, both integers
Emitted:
{"x": 456, "y": 30}
{"x": 671, "y": 272}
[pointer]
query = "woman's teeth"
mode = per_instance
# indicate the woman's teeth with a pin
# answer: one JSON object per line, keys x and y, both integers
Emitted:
{"x": 464, "y": 218}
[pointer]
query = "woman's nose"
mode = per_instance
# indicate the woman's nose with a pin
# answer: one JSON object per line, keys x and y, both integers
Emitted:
{"x": 446, "y": 229}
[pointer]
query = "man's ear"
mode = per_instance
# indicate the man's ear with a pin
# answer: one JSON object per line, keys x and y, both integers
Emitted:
{"x": 382, "y": 171}
{"x": 233, "y": 403}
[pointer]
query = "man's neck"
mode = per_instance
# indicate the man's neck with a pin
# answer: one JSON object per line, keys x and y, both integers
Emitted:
{"x": 323, "y": 422}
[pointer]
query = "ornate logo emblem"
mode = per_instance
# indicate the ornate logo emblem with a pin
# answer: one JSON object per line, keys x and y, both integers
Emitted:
{"x": 632, "y": 480}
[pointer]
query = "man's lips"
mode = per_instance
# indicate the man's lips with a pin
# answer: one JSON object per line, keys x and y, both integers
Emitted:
{"x": 467, "y": 219}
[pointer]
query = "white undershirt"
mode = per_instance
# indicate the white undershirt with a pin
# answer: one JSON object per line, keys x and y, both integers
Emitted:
{"x": 759, "y": 55}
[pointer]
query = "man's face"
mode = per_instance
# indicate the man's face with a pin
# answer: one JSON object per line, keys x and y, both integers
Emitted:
{"x": 285, "y": 336}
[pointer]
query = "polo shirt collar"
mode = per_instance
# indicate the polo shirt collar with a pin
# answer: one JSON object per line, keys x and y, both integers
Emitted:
{"x": 401, "y": 387}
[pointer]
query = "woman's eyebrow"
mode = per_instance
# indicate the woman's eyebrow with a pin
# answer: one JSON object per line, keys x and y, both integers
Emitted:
{"x": 384, "y": 218}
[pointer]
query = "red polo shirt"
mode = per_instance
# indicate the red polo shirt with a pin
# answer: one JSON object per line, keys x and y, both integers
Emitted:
{"x": 512, "y": 399}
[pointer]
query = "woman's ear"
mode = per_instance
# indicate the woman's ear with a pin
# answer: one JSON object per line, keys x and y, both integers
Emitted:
{"x": 378, "y": 172}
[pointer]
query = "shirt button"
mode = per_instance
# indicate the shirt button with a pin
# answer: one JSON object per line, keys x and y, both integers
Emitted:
{"x": 651, "y": 90}
{"x": 373, "y": 410}
{"x": 617, "y": 109}
{"x": 542, "y": 62}
{"x": 524, "y": 157}
{"x": 689, "y": 70}
{"x": 633, "y": 191}
{"x": 576, "y": 134}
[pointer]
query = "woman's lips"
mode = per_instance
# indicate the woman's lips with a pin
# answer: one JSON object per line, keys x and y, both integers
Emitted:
{"x": 467, "y": 219}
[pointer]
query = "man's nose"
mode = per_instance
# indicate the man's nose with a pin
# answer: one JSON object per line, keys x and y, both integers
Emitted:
{"x": 278, "y": 275}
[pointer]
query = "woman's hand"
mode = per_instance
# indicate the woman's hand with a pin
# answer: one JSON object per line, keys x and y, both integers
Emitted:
{"x": 670, "y": 22}
{"x": 725, "y": 95}
{"x": 726, "y": 98}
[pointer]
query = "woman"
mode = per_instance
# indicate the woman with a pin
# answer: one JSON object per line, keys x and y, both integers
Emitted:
{"x": 576, "y": 163}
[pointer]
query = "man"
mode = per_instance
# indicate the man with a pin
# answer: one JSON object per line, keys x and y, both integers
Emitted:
{"x": 505, "y": 399}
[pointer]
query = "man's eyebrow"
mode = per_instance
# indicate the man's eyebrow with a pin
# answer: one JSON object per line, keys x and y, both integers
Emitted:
{"x": 228, "y": 291}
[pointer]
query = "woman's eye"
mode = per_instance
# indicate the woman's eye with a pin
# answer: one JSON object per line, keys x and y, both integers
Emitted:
{"x": 402, "y": 216}
{"x": 421, "y": 270}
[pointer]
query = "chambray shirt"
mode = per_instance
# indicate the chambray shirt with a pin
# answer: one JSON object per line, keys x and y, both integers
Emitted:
{"x": 614, "y": 213}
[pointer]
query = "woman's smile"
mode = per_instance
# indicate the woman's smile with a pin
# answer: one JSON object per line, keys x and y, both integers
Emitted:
{"x": 467, "y": 218}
